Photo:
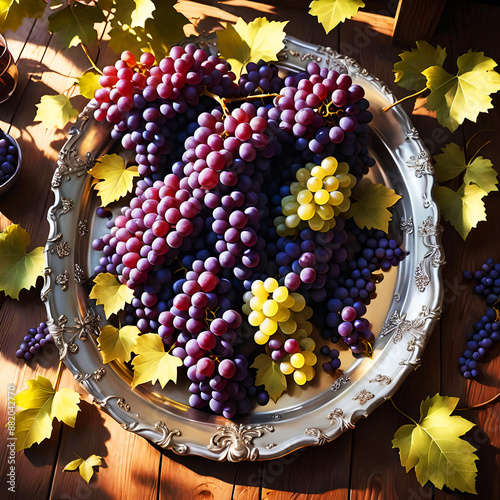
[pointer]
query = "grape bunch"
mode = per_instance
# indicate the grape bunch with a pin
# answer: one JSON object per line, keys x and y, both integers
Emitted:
{"x": 240, "y": 208}
{"x": 485, "y": 332}
{"x": 34, "y": 342}
{"x": 9, "y": 158}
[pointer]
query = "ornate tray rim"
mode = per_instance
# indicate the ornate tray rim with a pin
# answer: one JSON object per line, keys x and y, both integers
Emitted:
{"x": 410, "y": 318}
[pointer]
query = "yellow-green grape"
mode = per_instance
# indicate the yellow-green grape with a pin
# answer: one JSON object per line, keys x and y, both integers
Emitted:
{"x": 256, "y": 303}
{"x": 297, "y": 360}
{"x": 300, "y": 377}
{"x": 258, "y": 289}
{"x": 268, "y": 326}
{"x": 318, "y": 172}
{"x": 270, "y": 285}
{"x": 280, "y": 294}
{"x": 303, "y": 174}
{"x": 353, "y": 180}
{"x": 345, "y": 205}
{"x": 286, "y": 368}
{"x": 301, "y": 333}
{"x": 299, "y": 302}
{"x": 329, "y": 165}
{"x": 282, "y": 315}
{"x": 289, "y": 302}
{"x": 309, "y": 358}
{"x": 306, "y": 211}
{"x": 309, "y": 372}
{"x": 260, "y": 338}
{"x": 344, "y": 180}
{"x": 336, "y": 198}
{"x": 270, "y": 308}
{"x": 325, "y": 211}
{"x": 246, "y": 309}
{"x": 331, "y": 183}
{"x": 307, "y": 312}
{"x": 314, "y": 184}
{"x": 288, "y": 327}
{"x": 316, "y": 223}
{"x": 304, "y": 196}
{"x": 255, "y": 318}
{"x": 308, "y": 327}
{"x": 290, "y": 208}
{"x": 321, "y": 197}
{"x": 342, "y": 168}
{"x": 292, "y": 221}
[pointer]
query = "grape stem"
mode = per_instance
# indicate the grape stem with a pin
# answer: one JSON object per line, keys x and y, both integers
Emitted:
{"x": 477, "y": 152}
{"x": 475, "y": 135}
{"x": 58, "y": 375}
{"x": 481, "y": 406}
{"x": 224, "y": 101}
{"x": 402, "y": 413}
{"x": 387, "y": 108}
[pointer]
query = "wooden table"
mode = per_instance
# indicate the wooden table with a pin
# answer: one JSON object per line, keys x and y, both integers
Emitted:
{"x": 361, "y": 463}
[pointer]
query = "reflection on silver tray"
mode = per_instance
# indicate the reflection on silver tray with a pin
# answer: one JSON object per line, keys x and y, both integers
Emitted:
{"x": 407, "y": 305}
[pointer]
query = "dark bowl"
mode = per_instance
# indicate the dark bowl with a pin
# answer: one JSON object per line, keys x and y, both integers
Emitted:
{"x": 10, "y": 181}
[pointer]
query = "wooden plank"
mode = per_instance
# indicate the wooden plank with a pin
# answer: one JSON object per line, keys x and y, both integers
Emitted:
{"x": 416, "y": 20}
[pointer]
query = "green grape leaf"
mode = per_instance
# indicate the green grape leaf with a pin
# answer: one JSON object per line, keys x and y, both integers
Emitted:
{"x": 89, "y": 83}
{"x": 244, "y": 43}
{"x": 14, "y": 12}
{"x": 455, "y": 98}
{"x": 370, "y": 209}
{"x": 117, "y": 344}
{"x": 451, "y": 162}
{"x": 123, "y": 37}
{"x": 106, "y": 5}
{"x": 109, "y": 293}
{"x": 464, "y": 208}
{"x": 18, "y": 269}
{"x": 85, "y": 467}
{"x": 332, "y": 12}
{"x": 143, "y": 10}
{"x": 117, "y": 180}
{"x": 408, "y": 71}
{"x": 152, "y": 363}
{"x": 270, "y": 376}
{"x": 55, "y": 111}
{"x": 75, "y": 24}
{"x": 434, "y": 448}
{"x": 41, "y": 404}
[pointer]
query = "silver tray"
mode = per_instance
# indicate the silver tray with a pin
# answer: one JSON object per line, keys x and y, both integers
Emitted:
{"x": 408, "y": 301}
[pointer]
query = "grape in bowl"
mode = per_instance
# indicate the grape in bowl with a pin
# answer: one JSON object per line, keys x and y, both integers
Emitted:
{"x": 10, "y": 161}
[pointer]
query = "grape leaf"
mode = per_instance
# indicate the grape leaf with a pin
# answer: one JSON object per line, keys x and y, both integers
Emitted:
{"x": 14, "y": 12}
{"x": 152, "y": 363}
{"x": 464, "y": 95}
{"x": 75, "y": 24}
{"x": 433, "y": 446}
{"x": 123, "y": 37}
{"x": 408, "y": 71}
{"x": 85, "y": 467}
{"x": 371, "y": 208}
{"x": 55, "y": 111}
{"x": 464, "y": 208}
{"x": 332, "y": 12}
{"x": 117, "y": 344}
{"x": 41, "y": 404}
{"x": 89, "y": 83}
{"x": 269, "y": 375}
{"x": 143, "y": 10}
{"x": 110, "y": 293}
{"x": 117, "y": 180}
{"x": 451, "y": 162}
{"x": 18, "y": 269}
{"x": 244, "y": 43}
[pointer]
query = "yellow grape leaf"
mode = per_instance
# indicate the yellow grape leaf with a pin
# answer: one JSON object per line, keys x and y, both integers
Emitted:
{"x": 117, "y": 344}
{"x": 117, "y": 180}
{"x": 244, "y": 43}
{"x": 14, "y": 12}
{"x": 433, "y": 446}
{"x": 370, "y": 209}
{"x": 269, "y": 375}
{"x": 85, "y": 467}
{"x": 41, "y": 404}
{"x": 464, "y": 95}
{"x": 18, "y": 269}
{"x": 55, "y": 111}
{"x": 332, "y": 12}
{"x": 152, "y": 363}
{"x": 464, "y": 208}
{"x": 143, "y": 10}
{"x": 89, "y": 83}
{"x": 111, "y": 294}
{"x": 408, "y": 71}
{"x": 451, "y": 162}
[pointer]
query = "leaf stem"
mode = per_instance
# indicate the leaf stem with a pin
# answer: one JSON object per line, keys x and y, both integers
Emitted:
{"x": 481, "y": 406}
{"x": 387, "y": 108}
{"x": 477, "y": 152}
{"x": 84, "y": 48}
{"x": 402, "y": 413}
{"x": 58, "y": 375}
